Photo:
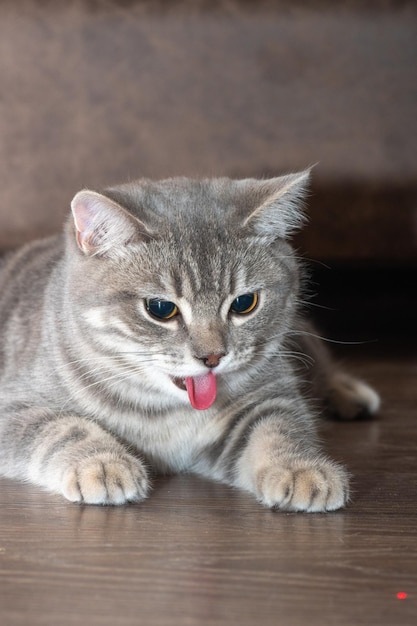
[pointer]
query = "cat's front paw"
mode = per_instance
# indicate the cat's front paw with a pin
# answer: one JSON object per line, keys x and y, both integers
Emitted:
{"x": 314, "y": 487}
{"x": 106, "y": 478}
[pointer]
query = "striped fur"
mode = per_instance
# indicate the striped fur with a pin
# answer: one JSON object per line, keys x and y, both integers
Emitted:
{"x": 89, "y": 407}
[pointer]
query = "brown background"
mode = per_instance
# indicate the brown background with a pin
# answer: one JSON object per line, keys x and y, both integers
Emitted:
{"x": 94, "y": 93}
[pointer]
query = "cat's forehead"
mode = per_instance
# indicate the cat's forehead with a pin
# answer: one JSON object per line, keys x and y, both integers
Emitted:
{"x": 186, "y": 198}
{"x": 182, "y": 190}
{"x": 201, "y": 241}
{"x": 205, "y": 271}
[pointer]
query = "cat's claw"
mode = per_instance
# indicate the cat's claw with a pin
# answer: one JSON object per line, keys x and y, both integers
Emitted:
{"x": 106, "y": 478}
{"x": 312, "y": 488}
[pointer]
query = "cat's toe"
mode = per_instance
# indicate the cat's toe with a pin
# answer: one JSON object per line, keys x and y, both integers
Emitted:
{"x": 106, "y": 479}
{"x": 313, "y": 488}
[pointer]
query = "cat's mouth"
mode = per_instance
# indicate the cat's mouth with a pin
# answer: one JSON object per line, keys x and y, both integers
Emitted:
{"x": 202, "y": 390}
{"x": 179, "y": 382}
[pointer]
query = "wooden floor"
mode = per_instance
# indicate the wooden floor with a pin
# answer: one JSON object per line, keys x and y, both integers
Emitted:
{"x": 201, "y": 553}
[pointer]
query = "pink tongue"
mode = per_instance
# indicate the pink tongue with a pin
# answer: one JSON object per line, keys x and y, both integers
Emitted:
{"x": 201, "y": 390}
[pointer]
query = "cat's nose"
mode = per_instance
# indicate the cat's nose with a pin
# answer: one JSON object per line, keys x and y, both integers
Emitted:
{"x": 212, "y": 360}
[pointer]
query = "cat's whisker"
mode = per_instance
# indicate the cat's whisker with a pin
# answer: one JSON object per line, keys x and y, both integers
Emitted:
{"x": 105, "y": 360}
{"x": 125, "y": 372}
{"x": 308, "y": 303}
{"x": 303, "y": 259}
{"x": 300, "y": 357}
{"x": 114, "y": 377}
{"x": 269, "y": 341}
{"x": 328, "y": 340}
{"x": 297, "y": 333}
{"x": 84, "y": 360}
{"x": 303, "y": 358}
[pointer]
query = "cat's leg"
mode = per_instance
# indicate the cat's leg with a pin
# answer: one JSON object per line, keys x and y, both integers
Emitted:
{"x": 343, "y": 396}
{"x": 349, "y": 398}
{"x": 271, "y": 450}
{"x": 287, "y": 474}
{"x": 69, "y": 455}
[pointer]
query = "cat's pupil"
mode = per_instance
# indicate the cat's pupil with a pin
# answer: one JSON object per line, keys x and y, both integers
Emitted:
{"x": 245, "y": 303}
{"x": 161, "y": 309}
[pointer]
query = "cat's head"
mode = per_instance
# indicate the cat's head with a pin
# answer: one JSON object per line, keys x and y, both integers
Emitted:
{"x": 186, "y": 282}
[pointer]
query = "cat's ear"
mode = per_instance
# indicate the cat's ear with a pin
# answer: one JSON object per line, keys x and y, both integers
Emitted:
{"x": 278, "y": 203}
{"x": 102, "y": 226}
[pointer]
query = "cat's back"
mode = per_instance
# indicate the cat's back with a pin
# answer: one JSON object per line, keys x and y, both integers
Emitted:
{"x": 28, "y": 267}
{"x": 24, "y": 275}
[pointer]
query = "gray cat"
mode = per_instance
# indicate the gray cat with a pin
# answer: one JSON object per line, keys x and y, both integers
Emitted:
{"x": 161, "y": 333}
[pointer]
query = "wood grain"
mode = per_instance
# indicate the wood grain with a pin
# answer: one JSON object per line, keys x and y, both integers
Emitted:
{"x": 200, "y": 553}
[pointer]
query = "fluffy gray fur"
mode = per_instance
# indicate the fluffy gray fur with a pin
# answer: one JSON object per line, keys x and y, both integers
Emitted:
{"x": 90, "y": 404}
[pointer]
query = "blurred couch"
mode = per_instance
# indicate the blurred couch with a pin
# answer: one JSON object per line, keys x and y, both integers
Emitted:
{"x": 95, "y": 92}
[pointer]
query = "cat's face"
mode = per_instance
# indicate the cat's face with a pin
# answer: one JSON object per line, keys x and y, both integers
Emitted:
{"x": 186, "y": 287}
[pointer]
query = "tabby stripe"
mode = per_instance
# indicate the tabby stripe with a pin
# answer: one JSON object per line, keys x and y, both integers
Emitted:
{"x": 215, "y": 450}
{"x": 242, "y": 438}
{"x": 18, "y": 433}
{"x": 193, "y": 278}
{"x": 75, "y": 434}
{"x": 33, "y": 428}
{"x": 223, "y": 275}
{"x": 236, "y": 435}
{"x": 16, "y": 407}
{"x": 92, "y": 386}
{"x": 177, "y": 284}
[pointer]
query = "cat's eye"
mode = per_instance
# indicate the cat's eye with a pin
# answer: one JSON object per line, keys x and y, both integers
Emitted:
{"x": 242, "y": 305}
{"x": 161, "y": 309}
